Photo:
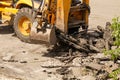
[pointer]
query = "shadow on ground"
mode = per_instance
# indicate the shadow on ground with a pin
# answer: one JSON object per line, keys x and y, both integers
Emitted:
{"x": 6, "y": 29}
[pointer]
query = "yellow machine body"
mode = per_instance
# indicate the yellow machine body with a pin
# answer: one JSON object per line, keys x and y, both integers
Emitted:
{"x": 64, "y": 10}
{"x": 61, "y": 14}
{"x": 7, "y": 10}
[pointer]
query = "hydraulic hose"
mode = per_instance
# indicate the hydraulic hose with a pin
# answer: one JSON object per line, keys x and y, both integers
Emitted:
{"x": 40, "y": 6}
{"x": 32, "y": 4}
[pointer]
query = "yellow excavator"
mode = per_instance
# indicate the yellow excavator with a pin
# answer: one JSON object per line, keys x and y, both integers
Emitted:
{"x": 9, "y": 8}
{"x": 47, "y": 20}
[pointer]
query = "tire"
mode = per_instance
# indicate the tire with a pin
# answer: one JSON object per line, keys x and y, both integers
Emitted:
{"x": 28, "y": 14}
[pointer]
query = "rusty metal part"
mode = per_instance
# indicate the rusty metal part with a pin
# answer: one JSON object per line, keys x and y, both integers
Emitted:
{"x": 0, "y": 17}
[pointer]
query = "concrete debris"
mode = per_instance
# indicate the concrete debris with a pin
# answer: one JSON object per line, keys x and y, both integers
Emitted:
{"x": 7, "y": 56}
{"x": 88, "y": 78}
{"x": 77, "y": 62}
{"x": 94, "y": 66}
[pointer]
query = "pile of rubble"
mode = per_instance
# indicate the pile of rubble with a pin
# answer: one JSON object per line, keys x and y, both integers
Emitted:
{"x": 81, "y": 66}
{"x": 63, "y": 62}
{"x": 90, "y": 64}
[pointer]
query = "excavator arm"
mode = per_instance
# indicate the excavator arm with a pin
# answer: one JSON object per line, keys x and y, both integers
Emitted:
{"x": 64, "y": 9}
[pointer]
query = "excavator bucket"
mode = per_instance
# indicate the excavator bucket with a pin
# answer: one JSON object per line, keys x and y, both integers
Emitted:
{"x": 65, "y": 14}
{"x": 48, "y": 35}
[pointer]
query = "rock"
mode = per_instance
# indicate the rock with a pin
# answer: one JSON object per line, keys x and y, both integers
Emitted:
{"x": 114, "y": 67}
{"x": 77, "y": 71}
{"x": 63, "y": 71}
{"x": 80, "y": 72}
{"x": 7, "y": 57}
{"x": 107, "y": 63}
{"x": 23, "y": 62}
{"x": 36, "y": 59}
{"x": 118, "y": 76}
{"x": 23, "y": 51}
{"x": 99, "y": 55}
{"x": 94, "y": 66}
{"x": 114, "y": 47}
{"x": 109, "y": 66}
{"x": 77, "y": 61}
{"x": 87, "y": 59}
{"x": 102, "y": 75}
{"x": 118, "y": 62}
{"x": 109, "y": 79}
{"x": 83, "y": 41}
{"x": 53, "y": 78}
{"x": 12, "y": 60}
{"x": 80, "y": 54}
{"x": 100, "y": 44}
{"x": 88, "y": 77}
{"x": 52, "y": 63}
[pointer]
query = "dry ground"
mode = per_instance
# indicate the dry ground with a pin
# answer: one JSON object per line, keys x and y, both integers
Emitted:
{"x": 103, "y": 11}
{"x": 27, "y": 59}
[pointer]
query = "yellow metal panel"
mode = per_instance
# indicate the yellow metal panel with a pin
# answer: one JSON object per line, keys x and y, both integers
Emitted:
{"x": 7, "y": 13}
{"x": 9, "y": 10}
{"x": 26, "y": 2}
{"x": 4, "y": 4}
{"x": 63, "y": 9}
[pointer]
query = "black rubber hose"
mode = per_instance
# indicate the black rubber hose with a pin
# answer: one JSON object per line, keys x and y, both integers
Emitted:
{"x": 33, "y": 6}
{"x": 87, "y": 7}
{"x": 41, "y": 4}
{"x": 13, "y": 3}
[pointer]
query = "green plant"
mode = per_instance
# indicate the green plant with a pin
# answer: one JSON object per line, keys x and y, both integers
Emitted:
{"x": 113, "y": 53}
{"x": 114, "y": 74}
{"x": 116, "y": 30}
{"x": 115, "y": 27}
